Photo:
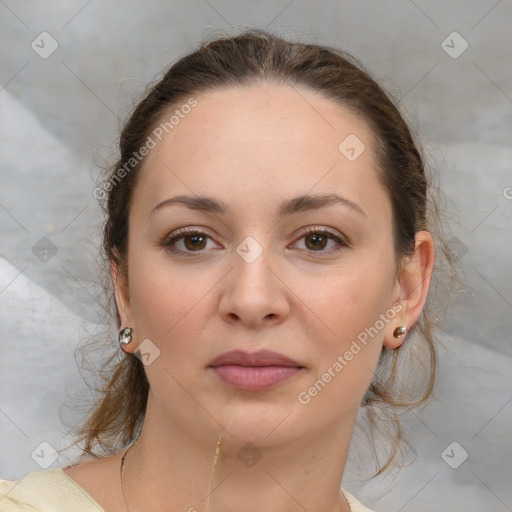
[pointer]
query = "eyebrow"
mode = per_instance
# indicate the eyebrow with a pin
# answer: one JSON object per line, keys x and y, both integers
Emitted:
{"x": 289, "y": 207}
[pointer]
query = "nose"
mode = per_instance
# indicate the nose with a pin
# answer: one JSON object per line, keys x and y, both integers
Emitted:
{"x": 254, "y": 293}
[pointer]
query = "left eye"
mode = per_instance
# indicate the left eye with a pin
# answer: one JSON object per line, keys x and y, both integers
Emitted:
{"x": 319, "y": 239}
{"x": 194, "y": 241}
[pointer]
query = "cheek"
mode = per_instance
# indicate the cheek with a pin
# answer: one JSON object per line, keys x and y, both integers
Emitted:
{"x": 350, "y": 298}
{"x": 351, "y": 306}
{"x": 167, "y": 299}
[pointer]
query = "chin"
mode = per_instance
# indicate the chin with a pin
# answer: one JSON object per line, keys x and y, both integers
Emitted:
{"x": 263, "y": 422}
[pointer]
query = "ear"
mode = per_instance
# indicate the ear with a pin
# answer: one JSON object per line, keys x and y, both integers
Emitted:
{"x": 413, "y": 282}
{"x": 119, "y": 280}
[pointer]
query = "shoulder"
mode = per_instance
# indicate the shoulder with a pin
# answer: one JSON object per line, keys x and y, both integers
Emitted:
{"x": 45, "y": 491}
{"x": 355, "y": 505}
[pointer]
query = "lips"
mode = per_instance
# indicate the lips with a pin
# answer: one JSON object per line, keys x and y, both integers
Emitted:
{"x": 260, "y": 358}
{"x": 256, "y": 371}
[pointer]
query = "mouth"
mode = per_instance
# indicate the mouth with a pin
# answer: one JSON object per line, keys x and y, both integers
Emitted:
{"x": 254, "y": 372}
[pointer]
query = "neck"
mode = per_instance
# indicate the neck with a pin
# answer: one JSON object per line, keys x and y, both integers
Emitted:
{"x": 169, "y": 468}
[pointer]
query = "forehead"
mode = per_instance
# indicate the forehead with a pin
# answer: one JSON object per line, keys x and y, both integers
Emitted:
{"x": 262, "y": 140}
{"x": 270, "y": 117}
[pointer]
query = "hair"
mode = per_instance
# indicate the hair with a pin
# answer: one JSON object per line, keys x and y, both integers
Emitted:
{"x": 405, "y": 377}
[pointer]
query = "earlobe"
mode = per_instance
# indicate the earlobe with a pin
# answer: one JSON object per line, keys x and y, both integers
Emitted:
{"x": 121, "y": 293}
{"x": 413, "y": 282}
{"x": 125, "y": 335}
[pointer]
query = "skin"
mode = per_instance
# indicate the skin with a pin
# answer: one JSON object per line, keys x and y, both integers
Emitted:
{"x": 237, "y": 147}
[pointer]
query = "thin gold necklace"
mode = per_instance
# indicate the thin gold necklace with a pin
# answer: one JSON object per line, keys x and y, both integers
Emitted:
{"x": 216, "y": 457}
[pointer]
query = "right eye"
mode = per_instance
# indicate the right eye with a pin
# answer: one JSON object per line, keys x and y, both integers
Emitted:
{"x": 193, "y": 241}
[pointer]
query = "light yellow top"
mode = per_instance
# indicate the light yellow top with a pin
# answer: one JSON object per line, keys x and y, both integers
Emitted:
{"x": 54, "y": 491}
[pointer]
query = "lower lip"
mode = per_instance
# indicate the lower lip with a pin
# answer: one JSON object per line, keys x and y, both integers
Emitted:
{"x": 255, "y": 378}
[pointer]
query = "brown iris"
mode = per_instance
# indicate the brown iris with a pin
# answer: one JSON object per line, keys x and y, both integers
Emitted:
{"x": 316, "y": 245}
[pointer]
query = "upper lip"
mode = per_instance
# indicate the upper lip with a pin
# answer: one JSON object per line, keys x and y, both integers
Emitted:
{"x": 260, "y": 358}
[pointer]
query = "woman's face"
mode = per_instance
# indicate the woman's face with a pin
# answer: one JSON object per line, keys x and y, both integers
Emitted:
{"x": 256, "y": 278}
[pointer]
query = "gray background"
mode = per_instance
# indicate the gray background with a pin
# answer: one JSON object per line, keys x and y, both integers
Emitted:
{"x": 59, "y": 117}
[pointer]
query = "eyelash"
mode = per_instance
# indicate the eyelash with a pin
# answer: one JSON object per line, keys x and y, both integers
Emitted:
{"x": 169, "y": 241}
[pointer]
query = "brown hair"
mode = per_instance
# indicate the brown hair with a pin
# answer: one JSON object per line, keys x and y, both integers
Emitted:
{"x": 255, "y": 55}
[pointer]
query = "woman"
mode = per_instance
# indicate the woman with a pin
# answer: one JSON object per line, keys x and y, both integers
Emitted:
{"x": 271, "y": 256}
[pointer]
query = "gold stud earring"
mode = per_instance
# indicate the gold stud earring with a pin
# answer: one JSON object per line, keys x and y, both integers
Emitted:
{"x": 399, "y": 331}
